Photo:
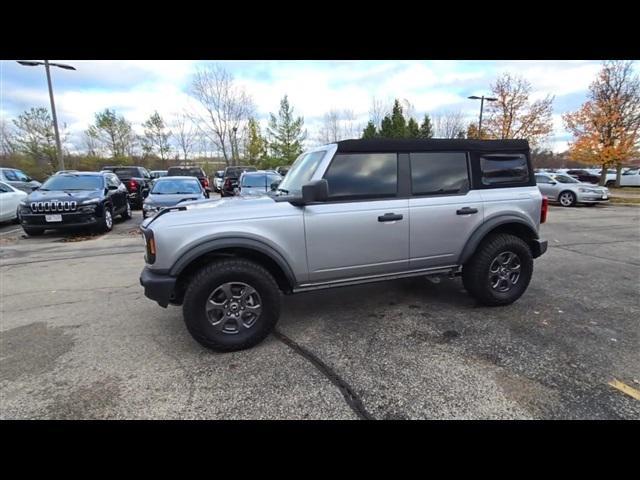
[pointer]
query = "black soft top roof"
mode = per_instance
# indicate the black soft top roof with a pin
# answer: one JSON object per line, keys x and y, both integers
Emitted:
{"x": 432, "y": 144}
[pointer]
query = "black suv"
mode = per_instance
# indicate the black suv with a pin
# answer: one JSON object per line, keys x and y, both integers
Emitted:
{"x": 190, "y": 172}
{"x": 75, "y": 200}
{"x": 230, "y": 179}
{"x": 137, "y": 180}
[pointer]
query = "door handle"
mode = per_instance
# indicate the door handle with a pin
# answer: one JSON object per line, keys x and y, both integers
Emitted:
{"x": 389, "y": 217}
{"x": 466, "y": 211}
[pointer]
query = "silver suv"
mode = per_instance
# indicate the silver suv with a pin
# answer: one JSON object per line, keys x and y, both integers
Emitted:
{"x": 351, "y": 212}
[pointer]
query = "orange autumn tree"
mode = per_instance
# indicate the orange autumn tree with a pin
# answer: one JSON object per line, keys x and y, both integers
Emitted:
{"x": 606, "y": 128}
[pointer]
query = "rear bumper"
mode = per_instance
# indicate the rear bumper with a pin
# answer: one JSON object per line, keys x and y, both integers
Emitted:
{"x": 157, "y": 287}
{"x": 538, "y": 247}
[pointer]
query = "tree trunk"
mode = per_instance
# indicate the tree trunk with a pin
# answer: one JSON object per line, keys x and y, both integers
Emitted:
{"x": 603, "y": 175}
{"x": 618, "y": 173}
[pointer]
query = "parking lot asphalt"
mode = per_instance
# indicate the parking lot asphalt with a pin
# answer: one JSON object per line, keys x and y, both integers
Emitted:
{"x": 80, "y": 341}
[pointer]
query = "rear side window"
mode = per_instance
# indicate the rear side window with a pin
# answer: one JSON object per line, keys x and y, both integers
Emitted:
{"x": 503, "y": 169}
{"x": 363, "y": 175}
{"x": 439, "y": 173}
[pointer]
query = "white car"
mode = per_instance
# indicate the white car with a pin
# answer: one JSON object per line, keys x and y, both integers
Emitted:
{"x": 10, "y": 198}
{"x": 568, "y": 191}
{"x": 630, "y": 178}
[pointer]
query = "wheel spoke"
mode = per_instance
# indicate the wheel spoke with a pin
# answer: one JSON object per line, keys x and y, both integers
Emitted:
{"x": 226, "y": 289}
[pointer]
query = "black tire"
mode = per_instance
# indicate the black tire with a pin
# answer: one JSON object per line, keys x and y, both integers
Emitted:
{"x": 16, "y": 220}
{"x": 568, "y": 194}
{"x": 105, "y": 222}
{"x": 209, "y": 280}
{"x": 476, "y": 276}
{"x": 610, "y": 183}
{"x": 126, "y": 215}
{"x": 33, "y": 232}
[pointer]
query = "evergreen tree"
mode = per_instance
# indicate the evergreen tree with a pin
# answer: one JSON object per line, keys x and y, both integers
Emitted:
{"x": 398, "y": 123}
{"x": 426, "y": 129}
{"x": 285, "y": 133}
{"x": 370, "y": 131}
{"x": 413, "y": 130}
{"x": 256, "y": 145}
{"x": 386, "y": 128}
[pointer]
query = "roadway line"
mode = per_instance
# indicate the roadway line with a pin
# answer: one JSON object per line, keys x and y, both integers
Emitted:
{"x": 10, "y": 231}
{"x": 624, "y": 388}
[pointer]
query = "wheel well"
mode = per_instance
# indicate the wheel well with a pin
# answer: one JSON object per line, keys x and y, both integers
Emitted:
{"x": 517, "y": 229}
{"x": 240, "y": 252}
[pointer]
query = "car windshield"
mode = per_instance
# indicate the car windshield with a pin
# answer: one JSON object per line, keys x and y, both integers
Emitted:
{"x": 185, "y": 172}
{"x": 74, "y": 182}
{"x": 565, "y": 179}
{"x": 301, "y": 172}
{"x": 220, "y": 174}
{"x": 254, "y": 181}
{"x": 173, "y": 187}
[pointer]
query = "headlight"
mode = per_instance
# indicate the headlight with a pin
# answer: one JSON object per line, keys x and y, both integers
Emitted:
{"x": 149, "y": 208}
{"x": 586, "y": 190}
{"x": 23, "y": 203}
{"x": 89, "y": 202}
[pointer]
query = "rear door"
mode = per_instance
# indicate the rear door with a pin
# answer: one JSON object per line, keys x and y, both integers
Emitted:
{"x": 363, "y": 229}
{"x": 443, "y": 210}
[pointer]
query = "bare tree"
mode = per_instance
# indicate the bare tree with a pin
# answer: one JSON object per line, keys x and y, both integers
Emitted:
{"x": 378, "y": 111}
{"x": 185, "y": 133}
{"x": 448, "y": 124}
{"x": 7, "y": 141}
{"x": 338, "y": 125}
{"x": 227, "y": 108}
{"x": 91, "y": 142}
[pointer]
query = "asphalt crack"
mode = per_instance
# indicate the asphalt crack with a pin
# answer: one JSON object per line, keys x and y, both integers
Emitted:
{"x": 351, "y": 397}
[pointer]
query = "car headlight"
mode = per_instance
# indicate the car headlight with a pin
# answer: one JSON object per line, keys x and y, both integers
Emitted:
{"x": 149, "y": 208}
{"x": 23, "y": 203}
{"x": 91, "y": 201}
{"x": 586, "y": 190}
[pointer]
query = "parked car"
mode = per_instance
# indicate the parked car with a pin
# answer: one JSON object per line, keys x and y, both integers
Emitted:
{"x": 137, "y": 180}
{"x": 170, "y": 191}
{"x": 568, "y": 191}
{"x": 158, "y": 173}
{"x": 230, "y": 181}
{"x": 217, "y": 180}
{"x": 630, "y": 178}
{"x": 18, "y": 179}
{"x": 84, "y": 199}
{"x": 191, "y": 172}
{"x": 584, "y": 176}
{"x": 283, "y": 170}
{"x": 10, "y": 198}
{"x": 350, "y": 212}
{"x": 258, "y": 182}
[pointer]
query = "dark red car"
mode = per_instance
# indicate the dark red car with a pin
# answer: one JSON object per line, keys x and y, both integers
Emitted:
{"x": 584, "y": 176}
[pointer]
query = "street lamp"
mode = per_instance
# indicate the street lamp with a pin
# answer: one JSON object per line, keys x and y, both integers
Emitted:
{"x": 482, "y": 99}
{"x": 53, "y": 106}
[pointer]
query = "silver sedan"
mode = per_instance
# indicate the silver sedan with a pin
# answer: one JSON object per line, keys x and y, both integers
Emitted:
{"x": 568, "y": 191}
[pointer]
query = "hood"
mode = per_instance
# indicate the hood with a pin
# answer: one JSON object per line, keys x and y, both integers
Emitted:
{"x": 69, "y": 195}
{"x": 169, "y": 200}
{"x": 227, "y": 209}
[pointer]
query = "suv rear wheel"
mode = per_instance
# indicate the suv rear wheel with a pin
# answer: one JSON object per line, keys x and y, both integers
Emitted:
{"x": 231, "y": 305}
{"x": 500, "y": 270}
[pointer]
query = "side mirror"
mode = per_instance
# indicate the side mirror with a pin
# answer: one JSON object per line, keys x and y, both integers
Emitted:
{"x": 112, "y": 187}
{"x": 145, "y": 193}
{"x": 33, "y": 189}
{"x": 274, "y": 185}
{"x": 316, "y": 191}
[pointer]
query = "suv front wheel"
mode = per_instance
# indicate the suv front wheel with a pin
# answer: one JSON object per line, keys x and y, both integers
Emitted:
{"x": 231, "y": 305}
{"x": 500, "y": 270}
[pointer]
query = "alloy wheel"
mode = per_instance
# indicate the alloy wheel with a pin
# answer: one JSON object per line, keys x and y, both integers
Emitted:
{"x": 233, "y": 307}
{"x": 504, "y": 271}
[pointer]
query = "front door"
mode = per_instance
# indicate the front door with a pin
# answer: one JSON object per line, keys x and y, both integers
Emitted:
{"x": 363, "y": 229}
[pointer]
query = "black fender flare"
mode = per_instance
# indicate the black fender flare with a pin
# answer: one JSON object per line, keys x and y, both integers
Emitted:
{"x": 212, "y": 245}
{"x": 479, "y": 233}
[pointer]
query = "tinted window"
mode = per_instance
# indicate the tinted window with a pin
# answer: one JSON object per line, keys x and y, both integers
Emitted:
{"x": 439, "y": 173}
{"x": 542, "y": 179}
{"x": 126, "y": 172}
{"x": 11, "y": 175}
{"x": 185, "y": 172}
{"x": 363, "y": 175}
{"x": 504, "y": 168}
{"x": 254, "y": 181}
{"x": 4, "y": 188}
{"x": 74, "y": 182}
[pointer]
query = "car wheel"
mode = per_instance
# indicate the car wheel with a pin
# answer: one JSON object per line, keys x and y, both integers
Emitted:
{"x": 231, "y": 305}
{"x": 610, "y": 183}
{"x": 105, "y": 223}
{"x": 499, "y": 271}
{"x": 567, "y": 198}
{"x": 33, "y": 232}
{"x": 127, "y": 212}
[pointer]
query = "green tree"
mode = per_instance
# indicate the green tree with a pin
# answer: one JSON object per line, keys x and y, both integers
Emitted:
{"x": 113, "y": 132}
{"x": 426, "y": 128}
{"x": 413, "y": 130}
{"x": 285, "y": 133}
{"x": 370, "y": 130}
{"x": 386, "y": 128}
{"x": 156, "y": 137}
{"x": 35, "y": 136}
{"x": 398, "y": 122}
{"x": 256, "y": 146}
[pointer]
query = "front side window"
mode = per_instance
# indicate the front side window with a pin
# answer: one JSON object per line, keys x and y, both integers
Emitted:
{"x": 565, "y": 179}
{"x": 504, "y": 169}
{"x": 542, "y": 179}
{"x": 633, "y": 171}
{"x": 301, "y": 172}
{"x": 439, "y": 173}
{"x": 362, "y": 175}
{"x": 4, "y": 188}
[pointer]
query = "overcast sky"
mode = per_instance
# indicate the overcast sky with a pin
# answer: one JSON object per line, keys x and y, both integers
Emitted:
{"x": 137, "y": 88}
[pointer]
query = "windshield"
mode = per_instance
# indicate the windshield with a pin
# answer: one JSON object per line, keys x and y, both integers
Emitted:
{"x": 254, "y": 181}
{"x": 565, "y": 179}
{"x": 172, "y": 187}
{"x": 185, "y": 172}
{"x": 301, "y": 172}
{"x": 74, "y": 182}
{"x": 633, "y": 171}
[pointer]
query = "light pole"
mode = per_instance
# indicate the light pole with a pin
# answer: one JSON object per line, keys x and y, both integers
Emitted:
{"x": 482, "y": 99}
{"x": 234, "y": 143}
{"x": 53, "y": 105}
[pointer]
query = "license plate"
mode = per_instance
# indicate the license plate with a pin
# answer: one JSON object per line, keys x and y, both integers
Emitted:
{"x": 604, "y": 197}
{"x": 53, "y": 218}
